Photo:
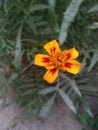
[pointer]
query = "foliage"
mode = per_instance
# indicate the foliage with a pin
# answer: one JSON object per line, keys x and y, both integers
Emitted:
{"x": 88, "y": 120}
{"x": 25, "y": 25}
{"x": 69, "y": 15}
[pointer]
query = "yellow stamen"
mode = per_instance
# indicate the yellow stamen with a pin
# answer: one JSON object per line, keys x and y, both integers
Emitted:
{"x": 57, "y": 60}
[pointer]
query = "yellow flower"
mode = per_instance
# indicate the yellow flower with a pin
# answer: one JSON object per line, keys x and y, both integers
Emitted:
{"x": 57, "y": 60}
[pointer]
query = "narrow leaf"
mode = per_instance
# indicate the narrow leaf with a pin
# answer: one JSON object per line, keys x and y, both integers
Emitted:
{"x": 83, "y": 65}
{"x": 75, "y": 88}
{"x": 52, "y": 5}
{"x": 47, "y": 90}
{"x": 6, "y": 5}
{"x": 68, "y": 18}
{"x": 17, "y": 59}
{"x": 38, "y": 7}
{"x": 94, "y": 26}
{"x": 88, "y": 88}
{"x": 47, "y": 107}
{"x": 73, "y": 85}
{"x": 93, "y": 9}
{"x": 67, "y": 100}
{"x": 94, "y": 60}
{"x": 88, "y": 110}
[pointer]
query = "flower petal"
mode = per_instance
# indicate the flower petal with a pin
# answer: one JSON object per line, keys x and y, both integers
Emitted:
{"x": 41, "y": 60}
{"x": 52, "y": 47}
{"x": 49, "y": 67}
{"x": 51, "y": 75}
{"x": 72, "y": 66}
{"x": 71, "y": 54}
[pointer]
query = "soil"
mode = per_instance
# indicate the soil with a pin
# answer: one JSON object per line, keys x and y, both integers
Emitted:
{"x": 60, "y": 118}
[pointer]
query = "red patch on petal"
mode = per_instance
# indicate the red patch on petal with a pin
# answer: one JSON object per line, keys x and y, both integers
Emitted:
{"x": 52, "y": 50}
{"x": 68, "y": 56}
{"x": 52, "y": 71}
{"x": 45, "y": 59}
{"x": 68, "y": 65}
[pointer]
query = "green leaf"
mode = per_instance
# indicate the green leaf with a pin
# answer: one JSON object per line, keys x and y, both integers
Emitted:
{"x": 3, "y": 90}
{"x": 47, "y": 90}
{"x": 93, "y": 9}
{"x": 88, "y": 90}
{"x": 83, "y": 65}
{"x": 94, "y": 26}
{"x": 68, "y": 18}
{"x": 47, "y": 107}
{"x": 84, "y": 117}
{"x": 17, "y": 59}
{"x": 5, "y": 4}
{"x": 67, "y": 100}
{"x": 38, "y": 7}
{"x": 94, "y": 60}
{"x": 3, "y": 100}
{"x": 87, "y": 109}
{"x": 84, "y": 129}
{"x": 52, "y": 5}
{"x": 75, "y": 87}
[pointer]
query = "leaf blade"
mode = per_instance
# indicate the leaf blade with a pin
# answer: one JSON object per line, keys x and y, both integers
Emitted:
{"x": 67, "y": 100}
{"x": 68, "y": 18}
{"x": 93, "y": 9}
{"x": 17, "y": 59}
{"x": 47, "y": 107}
{"x": 93, "y": 61}
{"x": 47, "y": 90}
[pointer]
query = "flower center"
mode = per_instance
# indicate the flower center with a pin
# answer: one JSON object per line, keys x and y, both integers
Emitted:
{"x": 57, "y": 60}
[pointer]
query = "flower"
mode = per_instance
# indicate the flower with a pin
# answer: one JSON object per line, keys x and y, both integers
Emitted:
{"x": 57, "y": 60}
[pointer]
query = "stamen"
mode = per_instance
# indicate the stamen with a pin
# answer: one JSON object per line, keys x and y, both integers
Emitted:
{"x": 60, "y": 59}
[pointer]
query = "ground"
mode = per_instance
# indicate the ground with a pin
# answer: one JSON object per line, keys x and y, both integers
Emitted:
{"x": 60, "y": 118}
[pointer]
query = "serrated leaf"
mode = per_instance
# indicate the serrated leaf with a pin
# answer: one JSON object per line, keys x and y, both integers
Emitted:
{"x": 47, "y": 90}
{"x": 68, "y": 18}
{"x": 47, "y": 107}
{"x": 67, "y": 100}
{"x": 93, "y": 9}
{"x": 94, "y": 60}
